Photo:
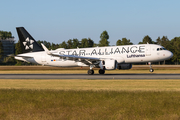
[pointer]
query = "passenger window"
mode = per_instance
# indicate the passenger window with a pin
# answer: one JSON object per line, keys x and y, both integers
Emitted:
{"x": 157, "y": 49}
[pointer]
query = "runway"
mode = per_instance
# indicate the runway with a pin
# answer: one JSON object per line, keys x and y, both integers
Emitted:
{"x": 85, "y": 76}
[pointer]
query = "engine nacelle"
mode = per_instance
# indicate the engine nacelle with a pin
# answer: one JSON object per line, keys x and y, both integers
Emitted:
{"x": 124, "y": 66}
{"x": 108, "y": 64}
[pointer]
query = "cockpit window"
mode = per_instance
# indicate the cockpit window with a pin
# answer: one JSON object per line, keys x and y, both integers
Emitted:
{"x": 161, "y": 49}
{"x": 164, "y": 48}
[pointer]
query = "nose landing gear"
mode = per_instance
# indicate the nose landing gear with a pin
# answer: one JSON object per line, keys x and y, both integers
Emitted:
{"x": 150, "y": 70}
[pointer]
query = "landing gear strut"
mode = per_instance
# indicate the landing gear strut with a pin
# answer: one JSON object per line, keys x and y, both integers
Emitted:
{"x": 150, "y": 70}
{"x": 91, "y": 71}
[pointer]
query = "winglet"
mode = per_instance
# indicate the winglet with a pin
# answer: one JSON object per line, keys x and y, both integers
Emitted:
{"x": 45, "y": 49}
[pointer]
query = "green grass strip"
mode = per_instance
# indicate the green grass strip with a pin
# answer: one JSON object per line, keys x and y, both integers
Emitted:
{"x": 95, "y": 85}
{"x": 20, "y": 104}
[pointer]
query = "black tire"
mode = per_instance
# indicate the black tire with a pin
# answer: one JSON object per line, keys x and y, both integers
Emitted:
{"x": 151, "y": 70}
{"x": 101, "y": 71}
{"x": 90, "y": 72}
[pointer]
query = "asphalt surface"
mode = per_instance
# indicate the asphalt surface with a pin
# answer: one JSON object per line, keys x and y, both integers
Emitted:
{"x": 85, "y": 76}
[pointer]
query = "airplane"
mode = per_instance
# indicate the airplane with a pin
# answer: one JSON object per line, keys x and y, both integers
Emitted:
{"x": 105, "y": 58}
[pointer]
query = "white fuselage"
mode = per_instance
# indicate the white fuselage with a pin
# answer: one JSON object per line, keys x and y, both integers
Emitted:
{"x": 123, "y": 54}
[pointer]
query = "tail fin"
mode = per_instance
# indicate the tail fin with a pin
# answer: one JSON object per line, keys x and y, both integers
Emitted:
{"x": 28, "y": 43}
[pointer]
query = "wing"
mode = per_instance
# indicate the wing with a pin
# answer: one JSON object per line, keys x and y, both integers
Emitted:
{"x": 85, "y": 60}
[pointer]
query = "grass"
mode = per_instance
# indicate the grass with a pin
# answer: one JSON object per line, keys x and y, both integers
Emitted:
{"x": 95, "y": 85}
{"x": 24, "y": 99}
{"x": 18, "y": 104}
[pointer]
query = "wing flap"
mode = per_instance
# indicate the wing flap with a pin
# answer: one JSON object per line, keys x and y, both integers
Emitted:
{"x": 85, "y": 60}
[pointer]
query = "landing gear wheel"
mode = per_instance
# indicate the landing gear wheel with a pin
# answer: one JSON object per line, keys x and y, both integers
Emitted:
{"x": 101, "y": 71}
{"x": 90, "y": 72}
{"x": 151, "y": 70}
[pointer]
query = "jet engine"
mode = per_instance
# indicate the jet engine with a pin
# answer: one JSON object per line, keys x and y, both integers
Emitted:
{"x": 124, "y": 66}
{"x": 108, "y": 64}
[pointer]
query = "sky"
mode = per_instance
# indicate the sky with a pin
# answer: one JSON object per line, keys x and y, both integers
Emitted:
{"x": 60, "y": 20}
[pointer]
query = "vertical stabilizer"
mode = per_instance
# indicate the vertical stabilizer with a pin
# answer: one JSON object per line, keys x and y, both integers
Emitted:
{"x": 28, "y": 43}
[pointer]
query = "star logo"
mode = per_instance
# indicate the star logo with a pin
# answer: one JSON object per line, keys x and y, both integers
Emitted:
{"x": 28, "y": 44}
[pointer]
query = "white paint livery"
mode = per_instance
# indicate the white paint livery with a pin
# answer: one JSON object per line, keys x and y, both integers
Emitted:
{"x": 105, "y": 58}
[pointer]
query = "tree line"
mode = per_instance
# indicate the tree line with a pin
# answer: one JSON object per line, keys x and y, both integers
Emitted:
{"x": 5, "y": 34}
{"x": 173, "y": 45}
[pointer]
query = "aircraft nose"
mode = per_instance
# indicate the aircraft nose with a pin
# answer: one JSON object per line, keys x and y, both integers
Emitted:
{"x": 169, "y": 54}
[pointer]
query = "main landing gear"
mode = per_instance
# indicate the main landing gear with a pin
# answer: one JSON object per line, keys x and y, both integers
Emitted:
{"x": 150, "y": 70}
{"x": 91, "y": 71}
{"x": 101, "y": 71}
